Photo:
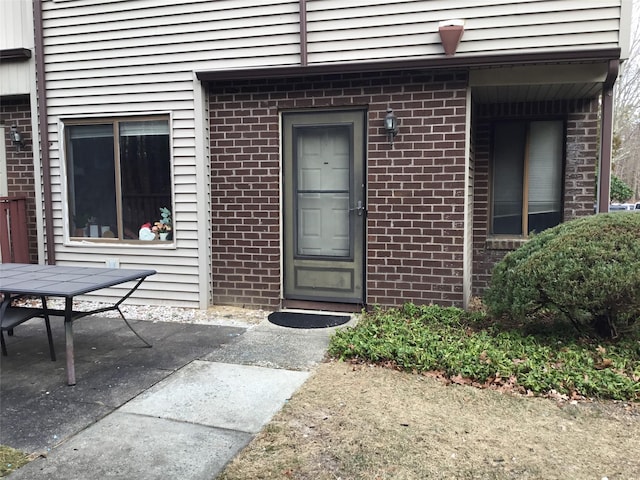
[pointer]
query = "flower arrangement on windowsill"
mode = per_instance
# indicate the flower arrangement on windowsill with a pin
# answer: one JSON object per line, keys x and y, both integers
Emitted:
{"x": 159, "y": 229}
{"x": 163, "y": 226}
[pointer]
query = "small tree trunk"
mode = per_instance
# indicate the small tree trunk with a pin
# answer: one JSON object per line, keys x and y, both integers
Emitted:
{"x": 604, "y": 327}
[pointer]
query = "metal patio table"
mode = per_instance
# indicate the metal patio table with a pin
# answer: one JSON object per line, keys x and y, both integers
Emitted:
{"x": 68, "y": 282}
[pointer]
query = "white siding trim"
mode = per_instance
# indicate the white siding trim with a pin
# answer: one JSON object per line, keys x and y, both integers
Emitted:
{"x": 203, "y": 169}
{"x": 626, "y": 16}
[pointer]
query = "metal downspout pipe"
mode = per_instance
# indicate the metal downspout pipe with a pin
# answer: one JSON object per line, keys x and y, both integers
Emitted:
{"x": 303, "y": 33}
{"x": 41, "y": 92}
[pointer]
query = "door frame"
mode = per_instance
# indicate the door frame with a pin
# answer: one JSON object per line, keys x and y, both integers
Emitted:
{"x": 317, "y": 301}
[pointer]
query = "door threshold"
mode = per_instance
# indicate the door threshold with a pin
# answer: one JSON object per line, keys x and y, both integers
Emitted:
{"x": 322, "y": 306}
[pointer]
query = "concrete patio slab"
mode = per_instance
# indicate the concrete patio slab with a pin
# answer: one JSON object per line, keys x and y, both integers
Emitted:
{"x": 182, "y": 409}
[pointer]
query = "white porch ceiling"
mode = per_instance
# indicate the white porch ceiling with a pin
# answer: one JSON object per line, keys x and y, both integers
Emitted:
{"x": 537, "y": 82}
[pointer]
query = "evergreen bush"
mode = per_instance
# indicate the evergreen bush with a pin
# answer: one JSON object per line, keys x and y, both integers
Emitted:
{"x": 586, "y": 270}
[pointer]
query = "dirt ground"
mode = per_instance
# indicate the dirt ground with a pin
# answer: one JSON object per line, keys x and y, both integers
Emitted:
{"x": 365, "y": 422}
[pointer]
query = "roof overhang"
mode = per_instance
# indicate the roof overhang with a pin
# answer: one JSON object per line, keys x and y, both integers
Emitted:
{"x": 457, "y": 62}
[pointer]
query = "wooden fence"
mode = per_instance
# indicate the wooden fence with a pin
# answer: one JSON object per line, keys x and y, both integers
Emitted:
{"x": 14, "y": 242}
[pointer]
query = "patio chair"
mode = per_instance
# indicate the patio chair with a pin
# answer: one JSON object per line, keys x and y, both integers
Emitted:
{"x": 11, "y": 317}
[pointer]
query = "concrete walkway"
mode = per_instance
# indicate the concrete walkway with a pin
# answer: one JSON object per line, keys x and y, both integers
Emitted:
{"x": 182, "y": 409}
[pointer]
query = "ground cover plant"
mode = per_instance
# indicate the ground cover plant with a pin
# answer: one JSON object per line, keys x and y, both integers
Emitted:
{"x": 472, "y": 348}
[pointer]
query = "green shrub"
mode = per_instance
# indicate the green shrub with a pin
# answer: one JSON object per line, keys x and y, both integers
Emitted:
{"x": 585, "y": 270}
{"x": 620, "y": 191}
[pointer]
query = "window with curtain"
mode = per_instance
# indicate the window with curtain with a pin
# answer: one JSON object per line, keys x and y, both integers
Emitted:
{"x": 527, "y": 172}
{"x": 118, "y": 175}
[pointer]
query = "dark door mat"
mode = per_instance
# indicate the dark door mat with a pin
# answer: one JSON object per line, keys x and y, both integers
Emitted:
{"x": 307, "y": 320}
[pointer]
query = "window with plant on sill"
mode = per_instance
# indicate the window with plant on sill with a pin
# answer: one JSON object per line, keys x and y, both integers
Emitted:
{"x": 526, "y": 176}
{"x": 118, "y": 175}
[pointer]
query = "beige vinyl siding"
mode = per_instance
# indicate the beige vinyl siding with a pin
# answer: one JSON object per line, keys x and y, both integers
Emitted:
{"x": 16, "y": 22}
{"x": 16, "y": 31}
{"x": 124, "y": 58}
{"x": 348, "y": 30}
{"x": 15, "y": 78}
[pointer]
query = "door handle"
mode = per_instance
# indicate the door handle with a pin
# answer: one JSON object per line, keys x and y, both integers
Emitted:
{"x": 359, "y": 208}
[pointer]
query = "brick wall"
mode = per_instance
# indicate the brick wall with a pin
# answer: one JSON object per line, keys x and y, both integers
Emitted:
{"x": 581, "y": 156}
{"x": 415, "y": 189}
{"x": 20, "y": 173}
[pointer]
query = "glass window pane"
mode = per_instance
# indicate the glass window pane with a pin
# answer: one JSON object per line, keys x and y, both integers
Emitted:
{"x": 322, "y": 177}
{"x": 508, "y": 171}
{"x": 145, "y": 173}
{"x": 90, "y": 161}
{"x": 323, "y": 224}
{"x": 545, "y": 174}
{"x": 322, "y": 158}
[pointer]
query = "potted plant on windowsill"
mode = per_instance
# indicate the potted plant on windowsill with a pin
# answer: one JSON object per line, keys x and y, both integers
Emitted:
{"x": 163, "y": 226}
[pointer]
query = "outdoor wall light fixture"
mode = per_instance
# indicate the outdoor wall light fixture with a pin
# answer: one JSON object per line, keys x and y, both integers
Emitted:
{"x": 16, "y": 137}
{"x": 391, "y": 125}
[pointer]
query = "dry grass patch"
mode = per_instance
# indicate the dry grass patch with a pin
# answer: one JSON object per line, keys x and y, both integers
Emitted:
{"x": 363, "y": 422}
{"x": 11, "y": 459}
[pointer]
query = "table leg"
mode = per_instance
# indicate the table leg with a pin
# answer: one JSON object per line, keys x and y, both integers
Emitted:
{"x": 132, "y": 329}
{"x": 117, "y": 307}
{"x": 68, "y": 332}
